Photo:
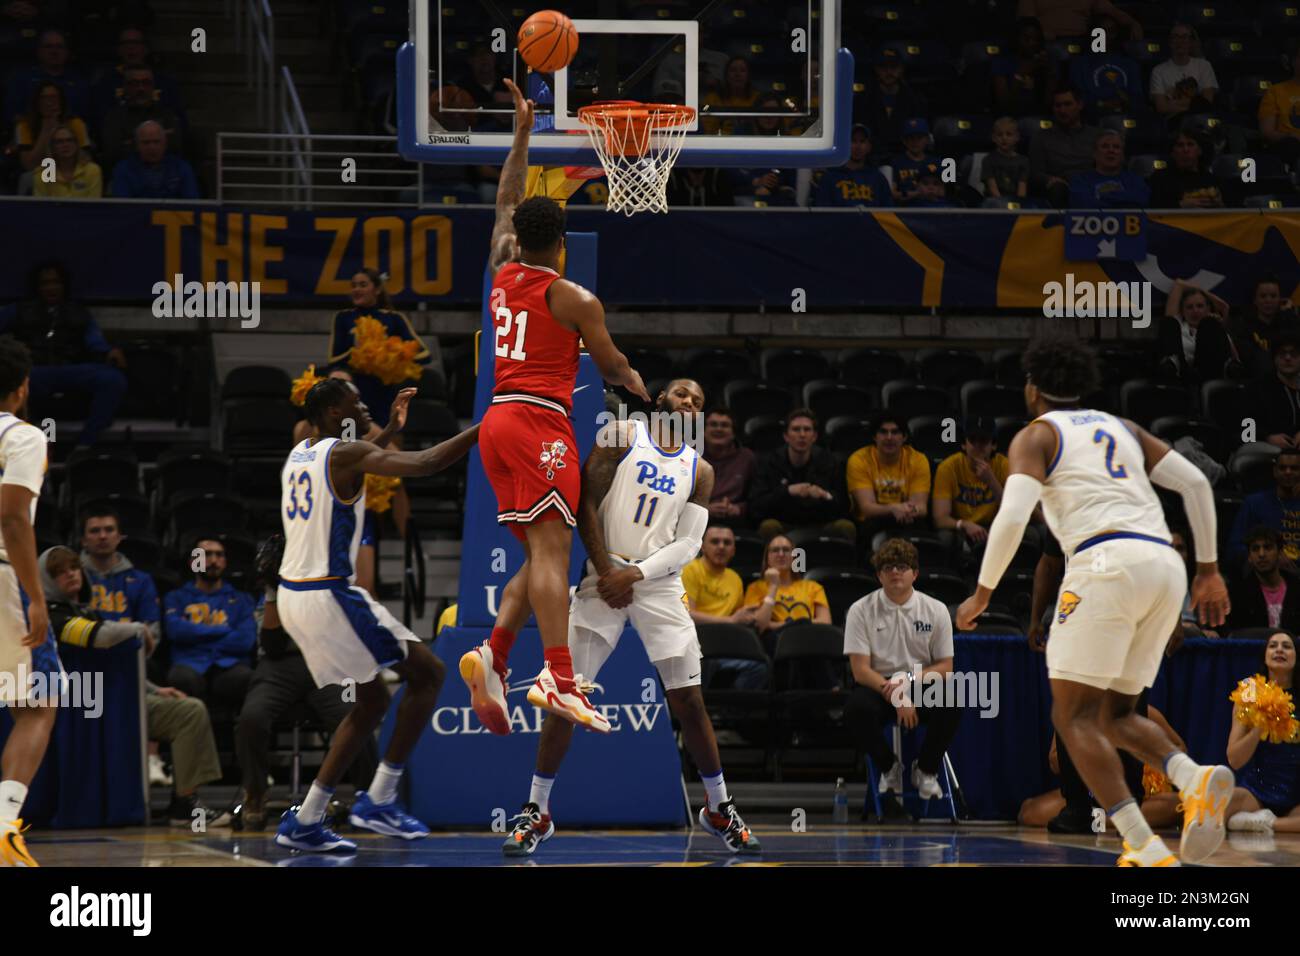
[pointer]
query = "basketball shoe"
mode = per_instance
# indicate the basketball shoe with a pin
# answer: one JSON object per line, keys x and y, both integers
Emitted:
{"x": 386, "y": 818}
{"x": 1204, "y": 806}
{"x": 13, "y": 850}
{"x": 487, "y": 689}
{"x": 317, "y": 838}
{"x": 532, "y": 828}
{"x": 1152, "y": 853}
{"x": 568, "y": 698}
{"x": 727, "y": 826}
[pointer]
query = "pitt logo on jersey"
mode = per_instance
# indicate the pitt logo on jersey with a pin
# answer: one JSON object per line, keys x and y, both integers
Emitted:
{"x": 1069, "y": 601}
{"x": 552, "y": 458}
{"x": 649, "y": 476}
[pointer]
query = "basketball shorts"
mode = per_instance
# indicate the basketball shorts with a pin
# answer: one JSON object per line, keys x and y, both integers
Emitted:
{"x": 531, "y": 459}
{"x": 21, "y": 665}
{"x": 659, "y": 614}
{"x": 343, "y": 633}
{"x": 1115, "y": 612}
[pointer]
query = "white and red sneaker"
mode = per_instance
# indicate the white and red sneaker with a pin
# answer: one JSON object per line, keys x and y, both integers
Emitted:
{"x": 568, "y": 698}
{"x": 487, "y": 689}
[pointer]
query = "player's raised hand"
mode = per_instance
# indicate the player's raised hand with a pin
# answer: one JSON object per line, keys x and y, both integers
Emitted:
{"x": 401, "y": 404}
{"x": 635, "y": 385}
{"x": 1210, "y": 599}
{"x": 970, "y": 610}
{"x": 523, "y": 107}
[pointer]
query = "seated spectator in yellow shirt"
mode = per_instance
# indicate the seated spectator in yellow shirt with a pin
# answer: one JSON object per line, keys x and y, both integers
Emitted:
{"x": 889, "y": 482}
{"x": 714, "y": 593}
{"x": 1278, "y": 111}
{"x": 783, "y": 596}
{"x": 75, "y": 174}
{"x": 968, "y": 490}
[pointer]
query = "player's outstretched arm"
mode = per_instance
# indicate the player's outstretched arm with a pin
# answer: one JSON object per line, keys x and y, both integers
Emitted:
{"x": 514, "y": 179}
{"x": 356, "y": 458}
{"x": 572, "y": 304}
{"x": 597, "y": 476}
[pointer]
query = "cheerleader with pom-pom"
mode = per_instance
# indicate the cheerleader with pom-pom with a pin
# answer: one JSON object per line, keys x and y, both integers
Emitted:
{"x": 1264, "y": 745}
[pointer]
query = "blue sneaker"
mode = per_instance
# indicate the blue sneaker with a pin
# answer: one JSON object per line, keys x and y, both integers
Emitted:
{"x": 317, "y": 838}
{"x": 386, "y": 818}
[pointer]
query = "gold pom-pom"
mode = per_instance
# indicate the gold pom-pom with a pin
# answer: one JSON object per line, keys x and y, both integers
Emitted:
{"x": 303, "y": 384}
{"x": 1153, "y": 781}
{"x": 379, "y": 492}
{"x": 387, "y": 357}
{"x": 1263, "y": 705}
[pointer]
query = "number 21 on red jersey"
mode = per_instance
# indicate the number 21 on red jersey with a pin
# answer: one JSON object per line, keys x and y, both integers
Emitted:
{"x": 506, "y": 321}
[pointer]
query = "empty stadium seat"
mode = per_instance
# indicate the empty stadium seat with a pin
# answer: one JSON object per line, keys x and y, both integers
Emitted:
{"x": 1007, "y": 369}
{"x": 749, "y": 553}
{"x": 785, "y": 368}
{"x": 907, "y": 399}
{"x": 764, "y": 433}
{"x": 753, "y": 399}
{"x": 843, "y": 587}
{"x": 256, "y": 381}
{"x": 985, "y": 398}
{"x": 871, "y": 368}
{"x": 134, "y": 514}
{"x": 209, "y": 512}
{"x": 934, "y": 436}
{"x": 259, "y": 425}
{"x": 1173, "y": 427}
{"x": 1144, "y": 401}
{"x": 1005, "y": 429}
{"x": 1251, "y": 466}
{"x": 714, "y": 368}
{"x": 943, "y": 586}
{"x": 947, "y": 368}
{"x": 651, "y": 363}
{"x": 830, "y": 398}
{"x": 197, "y": 469}
{"x": 845, "y": 434}
{"x": 822, "y": 550}
{"x": 428, "y": 423}
{"x": 100, "y": 470}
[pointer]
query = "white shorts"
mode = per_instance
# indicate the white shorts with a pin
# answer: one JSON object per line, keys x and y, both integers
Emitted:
{"x": 19, "y": 663}
{"x": 1117, "y": 608}
{"x": 659, "y": 614}
{"x": 343, "y": 632}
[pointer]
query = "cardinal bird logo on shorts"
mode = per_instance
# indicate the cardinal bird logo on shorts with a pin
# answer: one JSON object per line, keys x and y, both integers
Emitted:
{"x": 1069, "y": 601}
{"x": 552, "y": 458}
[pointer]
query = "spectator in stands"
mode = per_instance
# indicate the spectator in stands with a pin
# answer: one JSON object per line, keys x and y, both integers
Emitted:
{"x": 69, "y": 352}
{"x": 51, "y": 67}
{"x": 119, "y": 591}
{"x": 696, "y": 186}
{"x": 170, "y": 714}
{"x": 1275, "y": 401}
{"x": 110, "y": 88}
{"x": 76, "y": 175}
{"x": 733, "y": 467}
{"x": 715, "y": 594}
{"x": 1069, "y": 18}
{"x": 1268, "y": 316}
{"x": 737, "y": 93}
{"x": 485, "y": 83}
{"x": 798, "y": 485}
{"x": 33, "y": 131}
{"x": 153, "y": 173}
{"x": 1277, "y": 508}
{"x": 1279, "y": 112}
{"x": 1185, "y": 183}
{"x": 914, "y": 161}
{"x": 888, "y": 636}
{"x": 1268, "y": 774}
{"x": 1067, "y": 148}
{"x": 1185, "y": 82}
{"x": 370, "y": 300}
{"x": 121, "y": 125}
{"x": 1111, "y": 81}
{"x": 1005, "y": 172}
{"x": 782, "y": 596}
{"x": 212, "y": 632}
{"x": 889, "y": 101}
{"x": 1268, "y": 595}
{"x": 857, "y": 182}
{"x": 281, "y": 684}
{"x": 968, "y": 489}
{"x": 930, "y": 193}
{"x": 889, "y": 482}
{"x": 1192, "y": 340}
{"x": 1023, "y": 83}
{"x": 1108, "y": 185}
{"x": 767, "y": 186}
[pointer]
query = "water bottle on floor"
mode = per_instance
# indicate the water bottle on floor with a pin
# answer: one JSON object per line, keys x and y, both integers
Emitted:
{"x": 840, "y": 807}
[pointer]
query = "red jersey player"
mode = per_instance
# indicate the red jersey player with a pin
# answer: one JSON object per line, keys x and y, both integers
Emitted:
{"x": 527, "y": 443}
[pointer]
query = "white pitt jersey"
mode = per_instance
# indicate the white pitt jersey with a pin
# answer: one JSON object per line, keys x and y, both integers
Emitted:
{"x": 1098, "y": 481}
{"x": 321, "y": 530}
{"x": 23, "y": 460}
{"x": 649, "y": 491}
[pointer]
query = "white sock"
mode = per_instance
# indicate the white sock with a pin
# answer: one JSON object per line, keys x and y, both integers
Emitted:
{"x": 383, "y": 789}
{"x": 1182, "y": 770}
{"x": 715, "y": 789}
{"x": 540, "y": 792}
{"x": 12, "y": 795}
{"x": 1130, "y": 823}
{"x": 315, "y": 804}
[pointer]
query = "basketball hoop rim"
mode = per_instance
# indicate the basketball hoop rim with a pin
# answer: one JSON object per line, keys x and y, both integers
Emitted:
{"x": 662, "y": 115}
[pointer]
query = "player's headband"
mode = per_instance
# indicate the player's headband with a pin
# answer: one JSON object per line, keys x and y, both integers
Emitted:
{"x": 1051, "y": 398}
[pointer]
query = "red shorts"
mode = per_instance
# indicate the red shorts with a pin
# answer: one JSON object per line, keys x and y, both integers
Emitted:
{"x": 531, "y": 458}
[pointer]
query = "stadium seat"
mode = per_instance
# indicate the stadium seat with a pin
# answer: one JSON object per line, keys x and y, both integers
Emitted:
{"x": 764, "y": 433}
{"x": 1119, "y": 365}
{"x": 1148, "y": 52}
{"x": 1144, "y": 401}
{"x": 432, "y": 384}
{"x": 651, "y": 363}
{"x": 943, "y": 586}
{"x": 749, "y": 553}
{"x": 1142, "y": 133}
{"x": 1226, "y": 403}
{"x": 932, "y": 553}
{"x": 143, "y": 550}
{"x": 746, "y": 712}
{"x": 822, "y": 550}
{"x": 1029, "y": 125}
{"x": 241, "y": 549}
{"x": 962, "y": 134}
{"x": 1146, "y": 164}
{"x": 786, "y": 368}
{"x": 1027, "y": 554}
{"x": 714, "y": 368}
{"x": 1247, "y": 91}
{"x": 1213, "y": 18}
{"x": 830, "y": 398}
{"x": 947, "y": 368}
{"x": 1226, "y": 505}
{"x": 151, "y": 378}
{"x": 1005, "y": 429}
{"x": 985, "y": 398}
{"x": 810, "y": 673}
{"x": 193, "y": 512}
{"x": 197, "y": 469}
{"x": 753, "y": 399}
{"x": 869, "y": 368}
{"x": 256, "y": 381}
{"x": 1170, "y": 428}
{"x": 132, "y": 509}
{"x": 1016, "y": 591}
{"x": 370, "y": 16}
{"x": 934, "y": 436}
{"x": 428, "y": 423}
{"x": 1251, "y": 466}
{"x": 907, "y": 399}
{"x": 100, "y": 470}
{"x": 1237, "y": 55}
{"x": 1279, "y": 18}
{"x": 1006, "y": 368}
{"x": 845, "y": 434}
{"x": 843, "y": 587}
{"x": 259, "y": 425}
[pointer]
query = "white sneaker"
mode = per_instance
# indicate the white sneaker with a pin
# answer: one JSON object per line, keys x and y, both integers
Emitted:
{"x": 158, "y": 776}
{"x": 1152, "y": 853}
{"x": 1245, "y": 841}
{"x": 570, "y": 703}
{"x": 927, "y": 784}
{"x": 891, "y": 781}
{"x": 1259, "y": 821}
{"x": 1204, "y": 806}
{"x": 487, "y": 691}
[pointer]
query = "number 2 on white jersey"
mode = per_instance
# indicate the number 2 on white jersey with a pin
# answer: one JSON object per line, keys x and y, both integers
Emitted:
{"x": 1112, "y": 469}
{"x": 520, "y": 322}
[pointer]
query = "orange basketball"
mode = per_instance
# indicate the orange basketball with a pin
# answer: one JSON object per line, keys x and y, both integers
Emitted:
{"x": 548, "y": 41}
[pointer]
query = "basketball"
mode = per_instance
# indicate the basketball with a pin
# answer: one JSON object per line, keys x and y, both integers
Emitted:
{"x": 548, "y": 41}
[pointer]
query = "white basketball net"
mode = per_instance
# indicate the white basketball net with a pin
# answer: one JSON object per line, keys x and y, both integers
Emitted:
{"x": 637, "y": 145}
